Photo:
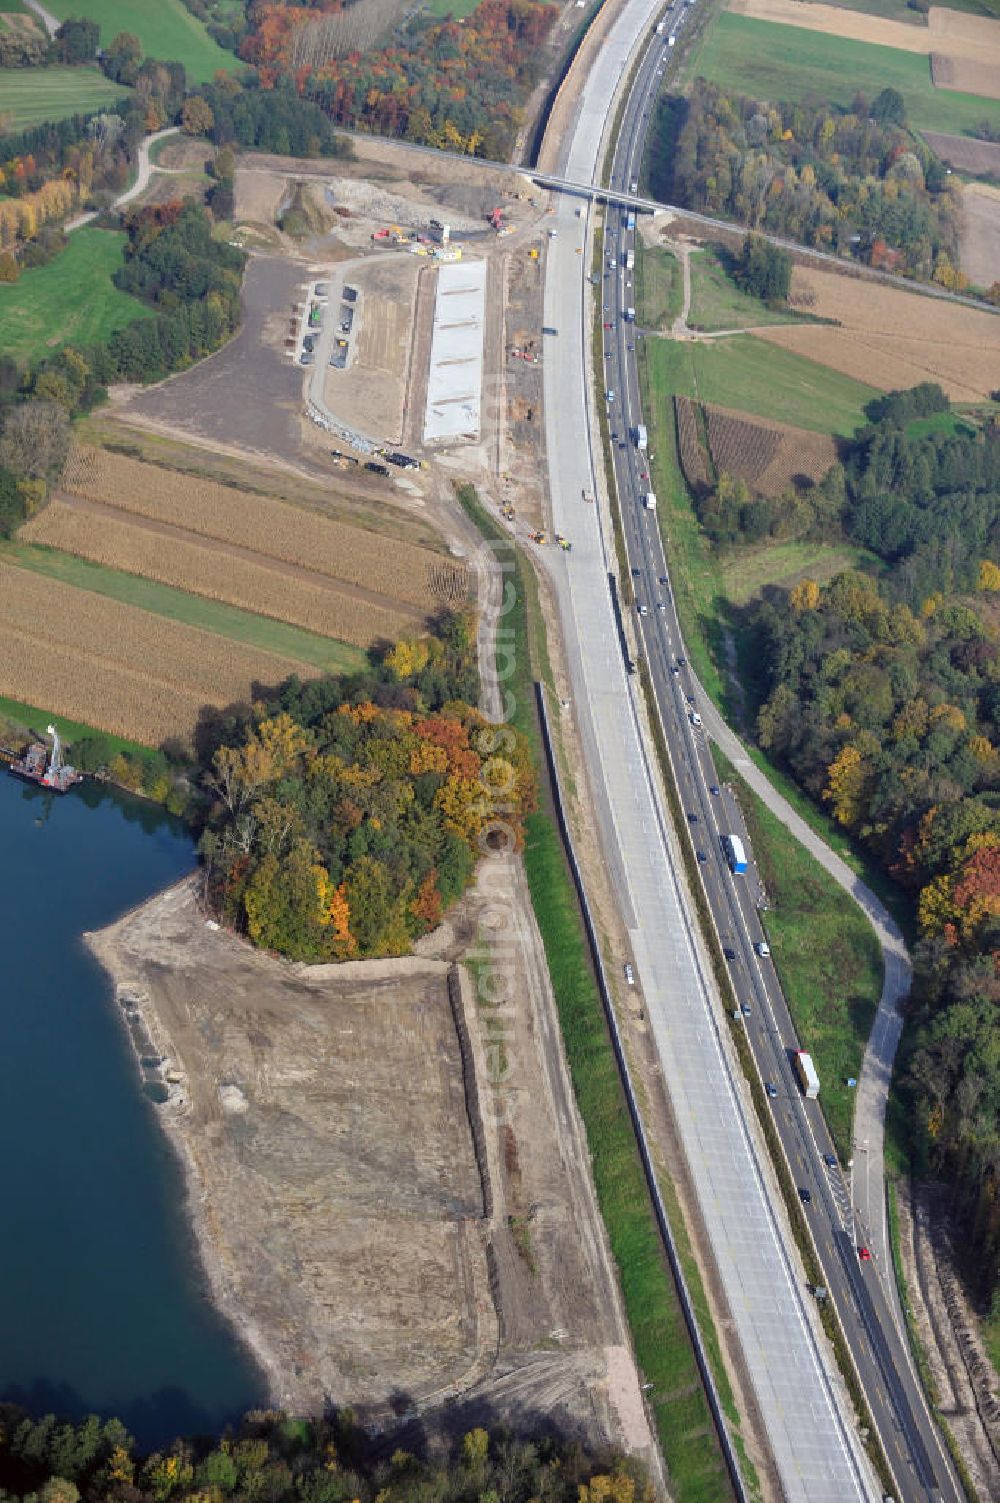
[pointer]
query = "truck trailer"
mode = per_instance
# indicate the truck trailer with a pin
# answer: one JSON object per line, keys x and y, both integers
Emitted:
{"x": 641, "y": 437}
{"x": 630, "y": 260}
{"x": 732, "y": 846}
{"x": 806, "y": 1072}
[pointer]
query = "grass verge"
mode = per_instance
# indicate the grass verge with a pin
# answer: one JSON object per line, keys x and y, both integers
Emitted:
{"x": 769, "y": 60}
{"x": 662, "y": 1347}
{"x": 72, "y": 300}
{"x": 193, "y": 610}
{"x": 825, "y": 951}
{"x": 659, "y": 288}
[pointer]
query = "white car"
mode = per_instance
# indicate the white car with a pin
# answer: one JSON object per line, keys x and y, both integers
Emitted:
{"x": 629, "y": 974}
{"x": 763, "y": 949}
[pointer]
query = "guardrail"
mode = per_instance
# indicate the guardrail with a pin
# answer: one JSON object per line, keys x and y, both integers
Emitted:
{"x": 666, "y": 1235}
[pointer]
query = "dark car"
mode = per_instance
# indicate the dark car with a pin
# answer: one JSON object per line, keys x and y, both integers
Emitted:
{"x": 805, "y": 1195}
{"x": 771, "y": 1089}
{"x": 746, "y": 1009}
{"x": 714, "y": 789}
{"x": 830, "y": 1160}
{"x": 682, "y": 661}
{"x": 636, "y": 573}
{"x": 729, "y": 952}
{"x": 701, "y": 855}
{"x": 693, "y": 818}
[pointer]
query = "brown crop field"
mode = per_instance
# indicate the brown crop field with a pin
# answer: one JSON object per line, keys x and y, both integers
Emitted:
{"x": 692, "y": 455}
{"x": 981, "y": 233}
{"x": 768, "y": 456}
{"x": 397, "y": 571}
{"x": 967, "y": 75}
{"x": 219, "y": 571}
{"x": 978, "y": 158}
{"x": 110, "y": 665}
{"x": 893, "y": 339}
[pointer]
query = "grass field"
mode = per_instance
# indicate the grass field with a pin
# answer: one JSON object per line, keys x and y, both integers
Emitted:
{"x": 745, "y": 574}
{"x": 775, "y": 62}
{"x": 456, "y": 8}
{"x": 826, "y": 954}
{"x": 750, "y": 375}
{"x": 662, "y": 1347}
{"x": 72, "y": 300}
{"x": 659, "y": 288}
{"x": 191, "y": 610}
{"x": 165, "y": 28}
{"x": 717, "y": 302}
{"x": 32, "y": 95}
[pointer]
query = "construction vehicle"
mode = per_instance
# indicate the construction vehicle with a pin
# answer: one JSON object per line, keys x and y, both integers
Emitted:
{"x": 538, "y": 537}
{"x": 47, "y": 769}
{"x": 507, "y": 511}
{"x": 564, "y": 545}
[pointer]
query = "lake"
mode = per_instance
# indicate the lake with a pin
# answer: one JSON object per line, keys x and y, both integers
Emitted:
{"x": 102, "y": 1307}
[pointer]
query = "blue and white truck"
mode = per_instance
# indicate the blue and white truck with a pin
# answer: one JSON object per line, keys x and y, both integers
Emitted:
{"x": 732, "y": 847}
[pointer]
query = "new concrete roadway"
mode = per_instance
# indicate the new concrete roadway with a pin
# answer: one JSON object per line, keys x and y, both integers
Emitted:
{"x": 813, "y": 1439}
{"x": 862, "y": 1287}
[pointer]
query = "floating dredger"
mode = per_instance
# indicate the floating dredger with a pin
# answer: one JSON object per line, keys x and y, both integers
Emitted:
{"x": 48, "y": 769}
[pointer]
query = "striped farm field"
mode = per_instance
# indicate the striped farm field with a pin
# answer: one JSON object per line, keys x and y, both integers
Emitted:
{"x": 134, "y": 674}
{"x": 218, "y": 571}
{"x": 398, "y": 572}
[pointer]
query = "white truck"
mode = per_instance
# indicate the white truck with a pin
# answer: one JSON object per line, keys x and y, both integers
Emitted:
{"x": 641, "y": 437}
{"x": 806, "y": 1072}
{"x": 630, "y": 260}
{"x": 649, "y": 500}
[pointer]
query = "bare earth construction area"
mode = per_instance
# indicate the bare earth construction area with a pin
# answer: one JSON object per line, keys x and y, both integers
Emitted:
{"x": 385, "y": 1225}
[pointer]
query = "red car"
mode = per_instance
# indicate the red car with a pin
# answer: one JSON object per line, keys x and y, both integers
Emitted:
{"x": 864, "y": 1255}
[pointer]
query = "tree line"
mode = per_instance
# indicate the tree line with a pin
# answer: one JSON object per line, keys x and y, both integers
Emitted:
{"x": 272, "y": 1457}
{"x": 881, "y": 694}
{"x": 856, "y": 182}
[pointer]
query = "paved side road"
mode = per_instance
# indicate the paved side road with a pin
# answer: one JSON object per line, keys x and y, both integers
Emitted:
{"x": 46, "y": 17}
{"x": 873, "y": 1089}
{"x": 146, "y": 170}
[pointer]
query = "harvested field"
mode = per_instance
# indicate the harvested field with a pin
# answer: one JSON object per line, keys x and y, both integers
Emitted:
{"x": 980, "y": 245}
{"x": 106, "y": 664}
{"x": 835, "y": 22}
{"x": 768, "y": 456}
{"x": 965, "y": 75}
{"x": 218, "y": 571}
{"x": 978, "y": 158}
{"x": 893, "y": 339}
{"x": 692, "y": 455}
{"x": 271, "y": 529}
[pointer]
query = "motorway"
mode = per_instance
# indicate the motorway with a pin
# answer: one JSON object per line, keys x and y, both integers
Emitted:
{"x": 811, "y": 1432}
{"x": 867, "y": 1309}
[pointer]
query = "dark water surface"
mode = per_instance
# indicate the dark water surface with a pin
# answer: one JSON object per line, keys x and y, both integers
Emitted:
{"x": 101, "y": 1303}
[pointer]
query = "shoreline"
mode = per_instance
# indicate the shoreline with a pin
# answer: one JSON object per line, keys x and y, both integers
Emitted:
{"x": 208, "y": 1270}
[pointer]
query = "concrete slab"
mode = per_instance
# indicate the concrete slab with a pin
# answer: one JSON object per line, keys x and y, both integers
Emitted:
{"x": 455, "y": 380}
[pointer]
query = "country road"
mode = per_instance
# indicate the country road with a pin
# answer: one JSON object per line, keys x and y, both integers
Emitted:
{"x": 145, "y": 172}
